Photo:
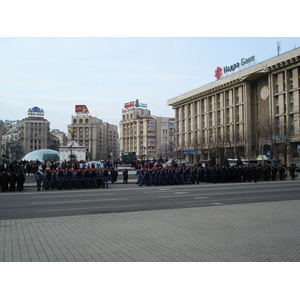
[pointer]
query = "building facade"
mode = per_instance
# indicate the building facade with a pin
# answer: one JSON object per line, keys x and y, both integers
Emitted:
{"x": 27, "y": 135}
{"x": 101, "y": 139}
{"x": 144, "y": 136}
{"x": 253, "y": 111}
{"x": 63, "y": 140}
{"x": 35, "y": 134}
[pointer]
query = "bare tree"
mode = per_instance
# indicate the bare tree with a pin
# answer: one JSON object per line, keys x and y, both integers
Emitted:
{"x": 13, "y": 149}
{"x": 276, "y": 138}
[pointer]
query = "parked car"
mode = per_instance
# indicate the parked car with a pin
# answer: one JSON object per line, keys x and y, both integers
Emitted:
{"x": 97, "y": 164}
{"x": 178, "y": 161}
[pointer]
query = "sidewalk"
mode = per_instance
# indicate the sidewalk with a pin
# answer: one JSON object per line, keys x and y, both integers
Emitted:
{"x": 256, "y": 232}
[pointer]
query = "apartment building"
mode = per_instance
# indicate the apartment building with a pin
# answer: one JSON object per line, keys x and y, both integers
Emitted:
{"x": 101, "y": 139}
{"x": 144, "y": 136}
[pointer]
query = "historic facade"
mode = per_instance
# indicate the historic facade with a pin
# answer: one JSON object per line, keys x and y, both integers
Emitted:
{"x": 253, "y": 111}
{"x": 27, "y": 135}
{"x": 34, "y": 133}
{"x": 60, "y": 135}
{"x": 101, "y": 139}
{"x": 144, "y": 136}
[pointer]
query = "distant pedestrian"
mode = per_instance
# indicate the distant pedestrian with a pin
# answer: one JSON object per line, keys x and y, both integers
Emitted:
{"x": 125, "y": 176}
{"x": 38, "y": 178}
{"x": 105, "y": 178}
{"x": 4, "y": 181}
{"x": 292, "y": 170}
{"x": 12, "y": 181}
{"x": 20, "y": 181}
{"x": 112, "y": 175}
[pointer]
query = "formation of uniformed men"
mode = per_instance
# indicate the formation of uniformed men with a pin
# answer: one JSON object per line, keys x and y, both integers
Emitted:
{"x": 151, "y": 174}
{"x": 218, "y": 174}
{"x": 12, "y": 181}
{"x": 75, "y": 179}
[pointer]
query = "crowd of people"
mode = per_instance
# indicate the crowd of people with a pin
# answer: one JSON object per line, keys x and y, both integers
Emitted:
{"x": 80, "y": 175}
{"x": 175, "y": 175}
{"x": 81, "y": 178}
{"x": 56, "y": 175}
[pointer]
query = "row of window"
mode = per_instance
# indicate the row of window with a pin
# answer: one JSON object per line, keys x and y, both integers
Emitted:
{"x": 228, "y": 115}
{"x": 220, "y": 101}
{"x": 282, "y": 84}
{"x": 86, "y": 121}
{"x": 214, "y": 135}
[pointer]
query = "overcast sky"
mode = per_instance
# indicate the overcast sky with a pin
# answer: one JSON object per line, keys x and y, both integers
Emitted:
{"x": 56, "y": 73}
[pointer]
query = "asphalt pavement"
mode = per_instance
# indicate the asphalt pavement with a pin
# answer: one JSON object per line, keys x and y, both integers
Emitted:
{"x": 253, "y": 232}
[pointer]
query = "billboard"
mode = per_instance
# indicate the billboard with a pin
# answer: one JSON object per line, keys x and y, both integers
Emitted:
{"x": 81, "y": 110}
{"x": 135, "y": 103}
{"x": 129, "y": 104}
{"x": 35, "y": 112}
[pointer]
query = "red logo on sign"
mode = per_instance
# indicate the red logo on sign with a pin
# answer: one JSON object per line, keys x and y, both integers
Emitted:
{"x": 218, "y": 72}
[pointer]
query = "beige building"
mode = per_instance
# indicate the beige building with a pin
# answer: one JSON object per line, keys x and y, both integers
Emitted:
{"x": 252, "y": 111}
{"x": 35, "y": 133}
{"x": 27, "y": 135}
{"x": 101, "y": 139}
{"x": 60, "y": 135}
{"x": 144, "y": 136}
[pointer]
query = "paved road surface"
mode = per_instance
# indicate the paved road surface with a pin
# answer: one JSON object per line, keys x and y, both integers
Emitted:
{"x": 126, "y": 198}
{"x": 263, "y": 230}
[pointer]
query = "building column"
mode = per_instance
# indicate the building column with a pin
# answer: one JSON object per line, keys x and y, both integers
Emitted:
{"x": 138, "y": 137}
{"x": 249, "y": 121}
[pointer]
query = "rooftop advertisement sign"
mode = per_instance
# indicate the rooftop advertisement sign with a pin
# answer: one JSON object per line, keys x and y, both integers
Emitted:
{"x": 129, "y": 104}
{"x": 219, "y": 71}
{"x": 81, "y": 110}
{"x": 35, "y": 112}
{"x": 135, "y": 103}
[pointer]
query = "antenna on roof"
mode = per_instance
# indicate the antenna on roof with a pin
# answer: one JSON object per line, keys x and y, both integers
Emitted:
{"x": 278, "y": 47}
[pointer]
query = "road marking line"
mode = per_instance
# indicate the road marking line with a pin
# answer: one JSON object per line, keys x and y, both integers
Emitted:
{"x": 59, "y": 202}
{"x": 180, "y": 193}
{"x": 66, "y": 196}
{"x": 206, "y": 203}
{"x": 190, "y": 202}
{"x": 85, "y": 208}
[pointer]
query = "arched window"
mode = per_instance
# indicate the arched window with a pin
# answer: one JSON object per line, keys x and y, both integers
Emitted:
{"x": 86, "y": 121}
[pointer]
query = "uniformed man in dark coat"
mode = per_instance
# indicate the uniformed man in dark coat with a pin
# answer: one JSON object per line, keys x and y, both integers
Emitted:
{"x": 20, "y": 180}
{"x": 4, "y": 181}
{"x": 12, "y": 181}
